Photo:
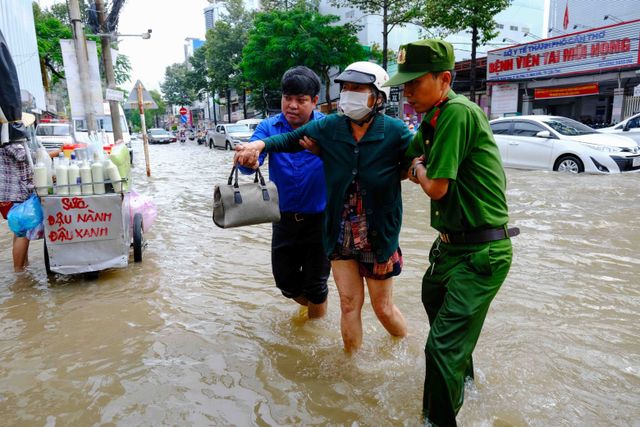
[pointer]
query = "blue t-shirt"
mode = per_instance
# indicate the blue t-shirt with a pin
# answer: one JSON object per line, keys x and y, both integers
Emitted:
{"x": 298, "y": 176}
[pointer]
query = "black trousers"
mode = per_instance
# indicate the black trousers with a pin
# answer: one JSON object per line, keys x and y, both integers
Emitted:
{"x": 298, "y": 260}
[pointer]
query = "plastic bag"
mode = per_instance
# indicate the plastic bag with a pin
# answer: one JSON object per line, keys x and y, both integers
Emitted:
{"x": 145, "y": 206}
{"x": 36, "y": 233}
{"x": 25, "y": 216}
{"x": 120, "y": 157}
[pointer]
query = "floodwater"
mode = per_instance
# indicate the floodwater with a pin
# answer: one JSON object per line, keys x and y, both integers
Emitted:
{"x": 197, "y": 334}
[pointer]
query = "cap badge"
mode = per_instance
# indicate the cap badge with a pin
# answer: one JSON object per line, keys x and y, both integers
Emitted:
{"x": 402, "y": 55}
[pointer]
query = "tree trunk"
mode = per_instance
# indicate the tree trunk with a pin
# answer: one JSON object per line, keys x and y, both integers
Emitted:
{"x": 327, "y": 88}
{"x": 385, "y": 33}
{"x": 45, "y": 76}
{"x": 472, "y": 70}
{"x": 244, "y": 103}
{"x": 229, "y": 104}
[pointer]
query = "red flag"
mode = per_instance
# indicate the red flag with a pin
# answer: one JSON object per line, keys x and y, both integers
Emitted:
{"x": 565, "y": 21}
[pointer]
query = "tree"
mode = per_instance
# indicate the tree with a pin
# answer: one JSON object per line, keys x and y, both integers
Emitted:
{"x": 476, "y": 15}
{"x": 284, "y": 5}
{"x": 393, "y": 12}
{"x": 224, "y": 51}
{"x": 175, "y": 86}
{"x": 197, "y": 76}
{"x": 49, "y": 31}
{"x": 283, "y": 39}
{"x": 52, "y": 25}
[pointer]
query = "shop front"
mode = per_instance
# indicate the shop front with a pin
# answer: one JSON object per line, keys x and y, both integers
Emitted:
{"x": 589, "y": 75}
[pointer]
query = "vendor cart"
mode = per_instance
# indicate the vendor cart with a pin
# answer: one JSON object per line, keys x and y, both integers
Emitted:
{"x": 90, "y": 233}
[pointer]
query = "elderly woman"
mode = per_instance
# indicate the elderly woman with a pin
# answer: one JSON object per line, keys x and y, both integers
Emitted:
{"x": 361, "y": 150}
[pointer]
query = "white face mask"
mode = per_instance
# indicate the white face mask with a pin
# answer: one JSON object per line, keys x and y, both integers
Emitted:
{"x": 355, "y": 105}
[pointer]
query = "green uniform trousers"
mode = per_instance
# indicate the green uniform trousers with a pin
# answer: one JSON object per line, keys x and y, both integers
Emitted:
{"x": 457, "y": 290}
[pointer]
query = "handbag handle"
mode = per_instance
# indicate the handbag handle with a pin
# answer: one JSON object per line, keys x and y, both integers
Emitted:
{"x": 233, "y": 177}
{"x": 258, "y": 178}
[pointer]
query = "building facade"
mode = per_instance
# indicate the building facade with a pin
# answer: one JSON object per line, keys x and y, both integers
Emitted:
{"x": 587, "y": 68}
{"x": 17, "y": 25}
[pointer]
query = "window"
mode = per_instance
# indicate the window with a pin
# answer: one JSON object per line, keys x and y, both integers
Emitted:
{"x": 499, "y": 26}
{"x": 501, "y": 128}
{"x": 526, "y": 129}
{"x": 513, "y": 28}
{"x": 633, "y": 123}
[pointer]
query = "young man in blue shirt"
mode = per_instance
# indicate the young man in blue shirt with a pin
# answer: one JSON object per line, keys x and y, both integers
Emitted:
{"x": 300, "y": 266}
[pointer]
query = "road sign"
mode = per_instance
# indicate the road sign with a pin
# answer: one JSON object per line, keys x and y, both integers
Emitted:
{"x": 183, "y": 111}
{"x": 183, "y": 119}
{"x": 114, "y": 95}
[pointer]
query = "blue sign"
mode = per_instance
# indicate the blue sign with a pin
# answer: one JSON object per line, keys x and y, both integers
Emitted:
{"x": 183, "y": 119}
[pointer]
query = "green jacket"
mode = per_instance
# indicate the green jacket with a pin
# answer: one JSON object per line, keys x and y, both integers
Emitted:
{"x": 375, "y": 161}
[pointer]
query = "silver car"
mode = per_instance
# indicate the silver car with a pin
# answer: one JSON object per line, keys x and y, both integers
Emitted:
{"x": 227, "y": 136}
{"x": 629, "y": 127}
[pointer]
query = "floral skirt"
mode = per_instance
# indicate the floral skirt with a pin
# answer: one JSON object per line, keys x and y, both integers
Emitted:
{"x": 353, "y": 242}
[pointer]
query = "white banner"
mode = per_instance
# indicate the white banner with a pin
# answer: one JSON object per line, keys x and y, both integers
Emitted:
{"x": 504, "y": 99}
{"x": 72, "y": 75}
{"x": 596, "y": 50}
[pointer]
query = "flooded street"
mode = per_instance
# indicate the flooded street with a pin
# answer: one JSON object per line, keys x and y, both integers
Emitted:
{"x": 197, "y": 334}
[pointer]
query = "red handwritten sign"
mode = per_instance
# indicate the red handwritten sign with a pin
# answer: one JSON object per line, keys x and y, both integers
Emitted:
{"x": 81, "y": 219}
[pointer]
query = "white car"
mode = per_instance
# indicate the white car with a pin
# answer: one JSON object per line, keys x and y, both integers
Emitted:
{"x": 252, "y": 123}
{"x": 562, "y": 144}
{"x": 227, "y": 136}
{"x": 53, "y": 135}
{"x": 629, "y": 127}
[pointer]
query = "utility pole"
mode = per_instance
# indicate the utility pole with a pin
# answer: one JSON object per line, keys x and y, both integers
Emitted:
{"x": 143, "y": 125}
{"x": 107, "y": 61}
{"x": 83, "y": 63}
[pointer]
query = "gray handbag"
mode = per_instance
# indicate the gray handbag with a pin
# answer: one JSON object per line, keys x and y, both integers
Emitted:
{"x": 235, "y": 205}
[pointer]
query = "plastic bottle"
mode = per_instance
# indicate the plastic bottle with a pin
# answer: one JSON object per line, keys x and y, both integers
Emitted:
{"x": 40, "y": 180}
{"x": 74, "y": 177}
{"x": 62, "y": 176}
{"x": 97, "y": 174}
{"x": 114, "y": 175}
{"x": 85, "y": 178}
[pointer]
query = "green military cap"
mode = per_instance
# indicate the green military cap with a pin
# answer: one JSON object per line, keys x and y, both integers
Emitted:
{"x": 419, "y": 58}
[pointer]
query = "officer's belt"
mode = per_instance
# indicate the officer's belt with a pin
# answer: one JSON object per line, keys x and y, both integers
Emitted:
{"x": 481, "y": 236}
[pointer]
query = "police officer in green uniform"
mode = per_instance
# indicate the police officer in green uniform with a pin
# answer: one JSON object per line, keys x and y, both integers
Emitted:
{"x": 456, "y": 162}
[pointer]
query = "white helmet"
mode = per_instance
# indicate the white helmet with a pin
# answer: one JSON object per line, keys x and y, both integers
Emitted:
{"x": 367, "y": 73}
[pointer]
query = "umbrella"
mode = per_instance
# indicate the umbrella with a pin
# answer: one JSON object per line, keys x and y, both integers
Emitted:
{"x": 12, "y": 127}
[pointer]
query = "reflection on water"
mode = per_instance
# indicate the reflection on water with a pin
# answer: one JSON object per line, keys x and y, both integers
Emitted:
{"x": 197, "y": 334}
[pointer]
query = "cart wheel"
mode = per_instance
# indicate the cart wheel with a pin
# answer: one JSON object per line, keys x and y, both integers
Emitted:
{"x": 47, "y": 267}
{"x": 137, "y": 237}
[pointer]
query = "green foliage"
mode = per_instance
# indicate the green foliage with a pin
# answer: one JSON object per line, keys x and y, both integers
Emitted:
{"x": 283, "y": 39}
{"x": 122, "y": 69}
{"x": 175, "y": 86}
{"x": 197, "y": 77}
{"x": 394, "y": 13}
{"x": 284, "y": 5}
{"x": 52, "y": 25}
{"x": 475, "y": 15}
{"x": 49, "y": 31}
{"x": 375, "y": 53}
{"x": 223, "y": 48}
{"x": 458, "y": 15}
